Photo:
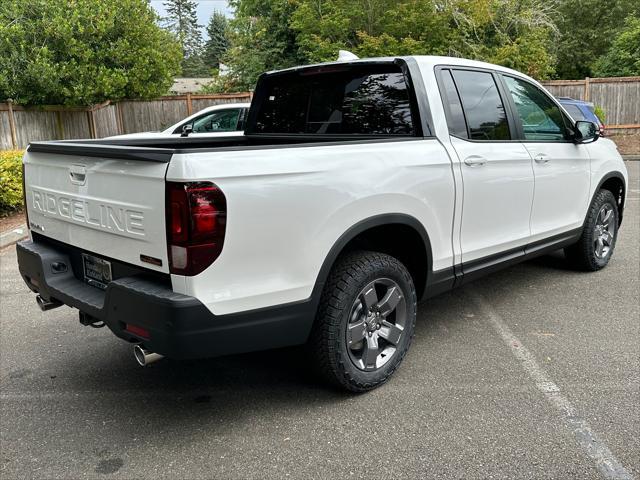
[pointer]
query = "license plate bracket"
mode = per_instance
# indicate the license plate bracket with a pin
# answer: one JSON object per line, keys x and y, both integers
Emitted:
{"x": 97, "y": 272}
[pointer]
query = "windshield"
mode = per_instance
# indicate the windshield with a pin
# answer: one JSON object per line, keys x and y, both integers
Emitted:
{"x": 362, "y": 100}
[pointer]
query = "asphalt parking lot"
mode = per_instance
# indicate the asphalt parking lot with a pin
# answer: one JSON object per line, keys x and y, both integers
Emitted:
{"x": 533, "y": 372}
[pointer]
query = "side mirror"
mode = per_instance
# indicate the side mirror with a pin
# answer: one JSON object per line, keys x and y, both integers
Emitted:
{"x": 186, "y": 130}
{"x": 586, "y": 132}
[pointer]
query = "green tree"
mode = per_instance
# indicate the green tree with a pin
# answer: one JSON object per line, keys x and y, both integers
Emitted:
{"x": 519, "y": 33}
{"x": 270, "y": 34}
{"x": 370, "y": 27}
{"x": 623, "y": 58}
{"x": 218, "y": 42}
{"x": 261, "y": 39}
{"x": 182, "y": 21}
{"x": 83, "y": 52}
{"x": 588, "y": 28}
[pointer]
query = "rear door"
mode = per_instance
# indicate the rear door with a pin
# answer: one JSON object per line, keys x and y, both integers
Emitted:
{"x": 496, "y": 169}
{"x": 561, "y": 167}
{"x": 112, "y": 207}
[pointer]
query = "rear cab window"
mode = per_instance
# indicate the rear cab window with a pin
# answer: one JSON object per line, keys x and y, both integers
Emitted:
{"x": 367, "y": 99}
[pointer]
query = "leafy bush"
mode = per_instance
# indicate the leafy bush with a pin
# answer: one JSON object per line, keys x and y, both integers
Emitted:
{"x": 10, "y": 181}
{"x": 600, "y": 113}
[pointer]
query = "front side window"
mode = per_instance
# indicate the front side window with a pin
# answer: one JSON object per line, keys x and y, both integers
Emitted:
{"x": 483, "y": 108}
{"x": 219, "y": 121}
{"x": 371, "y": 100}
{"x": 541, "y": 118}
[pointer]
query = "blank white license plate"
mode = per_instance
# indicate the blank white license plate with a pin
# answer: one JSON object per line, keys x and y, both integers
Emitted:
{"x": 97, "y": 272}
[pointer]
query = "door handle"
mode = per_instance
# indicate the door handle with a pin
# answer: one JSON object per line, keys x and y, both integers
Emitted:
{"x": 78, "y": 174}
{"x": 475, "y": 160}
{"x": 78, "y": 177}
{"x": 541, "y": 158}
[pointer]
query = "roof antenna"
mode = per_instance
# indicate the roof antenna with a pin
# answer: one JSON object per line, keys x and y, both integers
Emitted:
{"x": 345, "y": 56}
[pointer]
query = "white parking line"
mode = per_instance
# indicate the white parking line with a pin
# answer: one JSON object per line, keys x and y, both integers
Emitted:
{"x": 605, "y": 461}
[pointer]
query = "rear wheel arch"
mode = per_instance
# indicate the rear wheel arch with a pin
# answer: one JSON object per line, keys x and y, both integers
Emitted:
{"x": 411, "y": 246}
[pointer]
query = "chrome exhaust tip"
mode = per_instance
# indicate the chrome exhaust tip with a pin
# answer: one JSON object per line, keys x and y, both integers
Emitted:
{"x": 145, "y": 357}
{"x": 47, "y": 304}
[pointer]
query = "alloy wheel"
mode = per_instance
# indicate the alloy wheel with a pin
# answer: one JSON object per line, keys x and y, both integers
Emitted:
{"x": 376, "y": 324}
{"x": 604, "y": 231}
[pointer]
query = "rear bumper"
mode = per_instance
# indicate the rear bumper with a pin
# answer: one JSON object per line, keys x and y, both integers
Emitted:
{"x": 179, "y": 326}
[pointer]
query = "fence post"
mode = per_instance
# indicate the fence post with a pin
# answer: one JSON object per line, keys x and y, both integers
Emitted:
{"x": 119, "y": 119}
{"x": 587, "y": 89}
{"x": 12, "y": 125}
{"x": 90, "y": 121}
{"x": 189, "y": 105}
{"x": 60, "y": 124}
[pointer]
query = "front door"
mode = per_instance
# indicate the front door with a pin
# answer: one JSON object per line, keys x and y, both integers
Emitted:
{"x": 561, "y": 168}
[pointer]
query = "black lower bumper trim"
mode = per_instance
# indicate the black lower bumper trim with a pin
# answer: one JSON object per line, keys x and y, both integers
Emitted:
{"x": 179, "y": 326}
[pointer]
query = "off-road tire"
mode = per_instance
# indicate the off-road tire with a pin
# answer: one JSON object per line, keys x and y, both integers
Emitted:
{"x": 582, "y": 254}
{"x": 328, "y": 340}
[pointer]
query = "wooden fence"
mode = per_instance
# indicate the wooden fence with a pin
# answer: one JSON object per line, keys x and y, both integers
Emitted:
{"x": 21, "y": 125}
{"x": 619, "y": 97}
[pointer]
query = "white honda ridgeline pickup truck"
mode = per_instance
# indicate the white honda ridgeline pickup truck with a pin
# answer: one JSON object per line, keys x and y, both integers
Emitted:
{"x": 359, "y": 188}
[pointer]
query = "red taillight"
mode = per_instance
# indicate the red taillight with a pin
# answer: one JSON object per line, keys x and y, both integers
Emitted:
{"x": 197, "y": 214}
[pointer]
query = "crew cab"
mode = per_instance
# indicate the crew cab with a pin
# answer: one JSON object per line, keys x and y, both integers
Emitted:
{"x": 358, "y": 189}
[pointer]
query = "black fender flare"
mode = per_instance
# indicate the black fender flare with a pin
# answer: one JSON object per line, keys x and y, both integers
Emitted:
{"x": 608, "y": 176}
{"x": 358, "y": 228}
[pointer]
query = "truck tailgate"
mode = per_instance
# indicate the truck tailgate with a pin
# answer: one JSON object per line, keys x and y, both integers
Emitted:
{"x": 113, "y": 207}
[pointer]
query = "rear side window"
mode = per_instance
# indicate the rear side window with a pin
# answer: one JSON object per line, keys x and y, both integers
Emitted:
{"x": 483, "y": 108}
{"x": 574, "y": 111}
{"x": 451, "y": 100}
{"x": 373, "y": 100}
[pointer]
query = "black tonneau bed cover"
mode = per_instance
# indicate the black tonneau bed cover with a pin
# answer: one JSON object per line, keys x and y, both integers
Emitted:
{"x": 162, "y": 149}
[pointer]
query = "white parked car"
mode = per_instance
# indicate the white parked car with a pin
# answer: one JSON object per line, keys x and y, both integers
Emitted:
{"x": 217, "y": 120}
{"x": 359, "y": 188}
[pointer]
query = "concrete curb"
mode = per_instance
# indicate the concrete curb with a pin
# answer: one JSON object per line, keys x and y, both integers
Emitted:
{"x": 12, "y": 236}
{"x": 631, "y": 157}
